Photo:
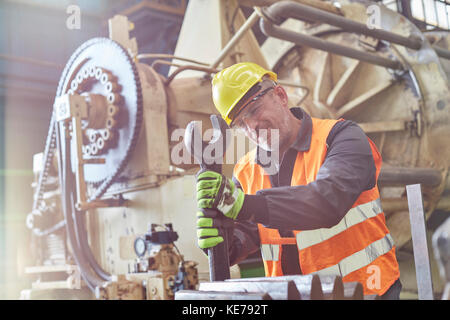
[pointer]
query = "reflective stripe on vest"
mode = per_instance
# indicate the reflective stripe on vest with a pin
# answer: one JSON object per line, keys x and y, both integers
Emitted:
{"x": 354, "y": 216}
{"x": 359, "y": 259}
{"x": 270, "y": 252}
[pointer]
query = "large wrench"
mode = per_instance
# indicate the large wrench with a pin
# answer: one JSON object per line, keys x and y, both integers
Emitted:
{"x": 219, "y": 262}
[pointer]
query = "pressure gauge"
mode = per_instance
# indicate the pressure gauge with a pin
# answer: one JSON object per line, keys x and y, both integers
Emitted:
{"x": 140, "y": 246}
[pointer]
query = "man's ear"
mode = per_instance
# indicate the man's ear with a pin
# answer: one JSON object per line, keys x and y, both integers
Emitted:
{"x": 282, "y": 95}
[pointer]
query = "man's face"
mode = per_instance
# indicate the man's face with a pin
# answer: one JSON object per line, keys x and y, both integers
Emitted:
{"x": 263, "y": 118}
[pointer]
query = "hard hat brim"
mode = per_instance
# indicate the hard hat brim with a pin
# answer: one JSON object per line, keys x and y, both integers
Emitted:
{"x": 272, "y": 76}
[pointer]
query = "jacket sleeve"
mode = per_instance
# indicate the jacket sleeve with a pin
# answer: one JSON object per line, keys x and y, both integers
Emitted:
{"x": 348, "y": 170}
{"x": 243, "y": 239}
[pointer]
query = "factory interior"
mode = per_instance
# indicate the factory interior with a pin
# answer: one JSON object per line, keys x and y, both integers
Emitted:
{"x": 99, "y": 102}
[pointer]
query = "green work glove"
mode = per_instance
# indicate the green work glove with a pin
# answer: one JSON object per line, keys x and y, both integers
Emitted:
{"x": 215, "y": 191}
{"x": 207, "y": 232}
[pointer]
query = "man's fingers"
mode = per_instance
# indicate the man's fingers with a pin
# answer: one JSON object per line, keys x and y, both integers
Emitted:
{"x": 206, "y": 175}
{"x": 200, "y": 214}
{"x": 209, "y": 242}
{"x": 206, "y": 194}
{"x": 207, "y": 232}
{"x": 205, "y": 203}
{"x": 205, "y": 223}
{"x": 213, "y": 222}
{"x": 208, "y": 184}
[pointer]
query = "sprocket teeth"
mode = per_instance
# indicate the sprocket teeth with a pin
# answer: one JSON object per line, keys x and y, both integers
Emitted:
{"x": 107, "y": 77}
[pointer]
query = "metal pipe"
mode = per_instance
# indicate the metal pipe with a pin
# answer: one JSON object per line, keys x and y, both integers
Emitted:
{"x": 404, "y": 176}
{"x": 168, "y": 63}
{"x": 288, "y": 9}
{"x": 441, "y": 52}
{"x": 188, "y": 67}
{"x": 104, "y": 203}
{"x": 401, "y": 204}
{"x": 326, "y": 6}
{"x": 292, "y": 84}
{"x": 235, "y": 39}
{"x": 274, "y": 31}
{"x": 167, "y": 56}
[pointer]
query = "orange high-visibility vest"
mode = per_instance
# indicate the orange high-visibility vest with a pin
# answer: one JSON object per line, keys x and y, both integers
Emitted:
{"x": 359, "y": 248}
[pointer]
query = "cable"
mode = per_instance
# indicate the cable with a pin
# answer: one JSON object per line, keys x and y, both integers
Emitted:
{"x": 80, "y": 231}
{"x": 175, "y": 246}
{"x": 68, "y": 206}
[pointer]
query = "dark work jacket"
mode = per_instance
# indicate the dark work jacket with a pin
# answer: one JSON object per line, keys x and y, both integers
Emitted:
{"x": 327, "y": 199}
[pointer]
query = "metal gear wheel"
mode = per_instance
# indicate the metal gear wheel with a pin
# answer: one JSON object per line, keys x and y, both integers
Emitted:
{"x": 102, "y": 68}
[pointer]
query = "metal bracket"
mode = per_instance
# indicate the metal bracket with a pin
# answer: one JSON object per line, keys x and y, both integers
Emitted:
{"x": 70, "y": 105}
{"x": 72, "y": 108}
{"x": 415, "y": 125}
{"x": 419, "y": 239}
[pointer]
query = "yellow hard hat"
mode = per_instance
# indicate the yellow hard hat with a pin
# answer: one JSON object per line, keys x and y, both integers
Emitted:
{"x": 232, "y": 83}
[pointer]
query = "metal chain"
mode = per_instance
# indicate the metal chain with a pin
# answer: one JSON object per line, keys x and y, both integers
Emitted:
{"x": 49, "y": 151}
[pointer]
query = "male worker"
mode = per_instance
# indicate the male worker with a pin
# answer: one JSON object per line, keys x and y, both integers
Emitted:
{"x": 320, "y": 212}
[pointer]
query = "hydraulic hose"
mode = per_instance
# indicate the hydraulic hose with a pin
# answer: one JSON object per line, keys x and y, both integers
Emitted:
{"x": 68, "y": 205}
{"x": 80, "y": 231}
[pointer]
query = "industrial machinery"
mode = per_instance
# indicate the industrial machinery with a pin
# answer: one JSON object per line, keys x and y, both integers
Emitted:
{"x": 106, "y": 106}
{"x": 108, "y": 167}
{"x": 159, "y": 267}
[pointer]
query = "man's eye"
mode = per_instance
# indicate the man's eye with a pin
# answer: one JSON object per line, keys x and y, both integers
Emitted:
{"x": 255, "y": 109}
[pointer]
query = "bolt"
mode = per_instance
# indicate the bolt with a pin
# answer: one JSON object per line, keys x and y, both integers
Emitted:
{"x": 104, "y": 78}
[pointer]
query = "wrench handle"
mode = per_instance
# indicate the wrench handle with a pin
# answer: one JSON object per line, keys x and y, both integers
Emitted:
{"x": 219, "y": 265}
{"x": 219, "y": 262}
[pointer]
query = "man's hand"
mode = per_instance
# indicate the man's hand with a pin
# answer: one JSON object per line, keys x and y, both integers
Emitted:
{"x": 207, "y": 232}
{"x": 215, "y": 191}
